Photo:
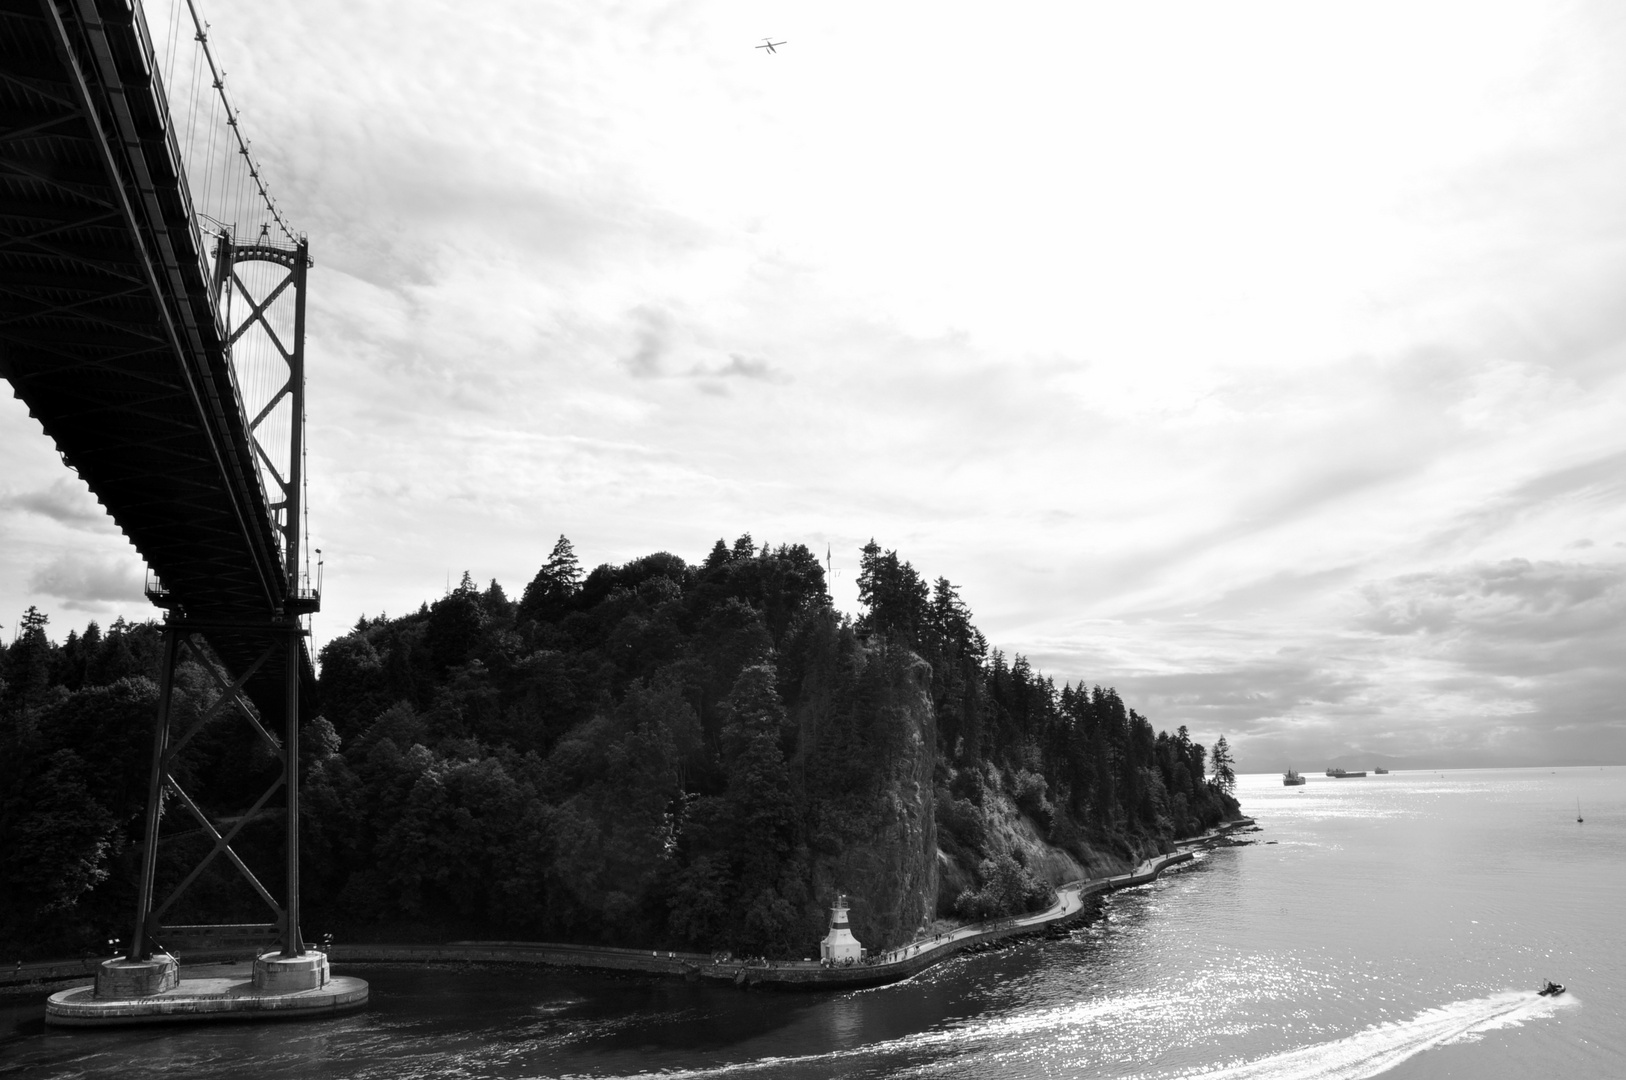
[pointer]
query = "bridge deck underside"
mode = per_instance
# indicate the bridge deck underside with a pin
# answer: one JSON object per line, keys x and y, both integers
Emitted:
{"x": 108, "y": 331}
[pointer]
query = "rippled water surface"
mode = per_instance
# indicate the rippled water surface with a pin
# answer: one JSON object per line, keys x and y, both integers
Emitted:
{"x": 1394, "y": 925}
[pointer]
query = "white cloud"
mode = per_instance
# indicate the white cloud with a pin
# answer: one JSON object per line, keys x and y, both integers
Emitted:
{"x": 1170, "y": 346}
{"x": 89, "y": 584}
{"x": 64, "y": 501}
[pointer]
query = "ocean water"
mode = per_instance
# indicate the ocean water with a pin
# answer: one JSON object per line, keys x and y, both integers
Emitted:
{"x": 1395, "y": 926}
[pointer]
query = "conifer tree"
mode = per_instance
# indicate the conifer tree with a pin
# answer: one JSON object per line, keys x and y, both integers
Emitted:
{"x": 548, "y": 595}
{"x": 28, "y": 661}
{"x": 1224, "y": 766}
{"x": 562, "y": 568}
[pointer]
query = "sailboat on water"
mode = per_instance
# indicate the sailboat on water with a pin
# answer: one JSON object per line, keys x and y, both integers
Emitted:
{"x": 1578, "y": 817}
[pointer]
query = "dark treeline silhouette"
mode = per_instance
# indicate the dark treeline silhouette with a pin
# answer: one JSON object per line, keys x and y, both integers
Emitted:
{"x": 657, "y": 754}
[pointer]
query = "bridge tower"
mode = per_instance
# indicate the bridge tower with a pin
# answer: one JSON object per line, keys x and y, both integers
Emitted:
{"x": 251, "y": 304}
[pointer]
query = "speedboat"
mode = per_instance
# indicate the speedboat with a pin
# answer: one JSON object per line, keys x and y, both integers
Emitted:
{"x": 1552, "y": 989}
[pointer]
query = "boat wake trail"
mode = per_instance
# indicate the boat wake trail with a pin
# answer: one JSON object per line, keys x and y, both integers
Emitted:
{"x": 1355, "y": 1057}
{"x": 1015, "y": 1028}
{"x": 1382, "y": 1047}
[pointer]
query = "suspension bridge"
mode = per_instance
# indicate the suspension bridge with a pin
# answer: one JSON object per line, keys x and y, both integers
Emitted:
{"x": 152, "y": 320}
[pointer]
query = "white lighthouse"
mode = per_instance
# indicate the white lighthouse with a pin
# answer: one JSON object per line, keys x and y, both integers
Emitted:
{"x": 839, "y": 945}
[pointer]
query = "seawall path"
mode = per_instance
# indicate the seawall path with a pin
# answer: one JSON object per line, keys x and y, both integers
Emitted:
{"x": 892, "y": 965}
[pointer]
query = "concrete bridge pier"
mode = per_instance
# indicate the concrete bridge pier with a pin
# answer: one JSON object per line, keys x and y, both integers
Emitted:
{"x": 278, "y": 974}
{"x": 122, "y": 977}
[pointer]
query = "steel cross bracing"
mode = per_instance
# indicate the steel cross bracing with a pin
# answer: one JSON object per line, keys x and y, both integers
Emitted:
{"x": 149, "y": 930}
{"x": 288, "y": 396}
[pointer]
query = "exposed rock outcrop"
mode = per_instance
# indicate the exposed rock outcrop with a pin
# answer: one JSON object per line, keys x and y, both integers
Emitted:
{"x": 877, "y": 838}
{"x": 991, "y": 825}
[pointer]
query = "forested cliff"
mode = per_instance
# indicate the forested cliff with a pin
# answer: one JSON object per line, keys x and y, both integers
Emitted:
{"x": 660, "y": 753}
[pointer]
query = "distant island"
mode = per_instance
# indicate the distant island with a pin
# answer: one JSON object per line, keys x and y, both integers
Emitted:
{"x": 658, "y": 754}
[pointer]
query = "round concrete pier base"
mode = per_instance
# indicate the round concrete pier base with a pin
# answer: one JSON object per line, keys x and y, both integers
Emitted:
{"x": 218, "y": 992}
{"x": 122, "y": 977}
{"x": 278, "y": 974}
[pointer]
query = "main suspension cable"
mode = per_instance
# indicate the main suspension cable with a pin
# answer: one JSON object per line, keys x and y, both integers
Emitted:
{"x": 219, "y": 78}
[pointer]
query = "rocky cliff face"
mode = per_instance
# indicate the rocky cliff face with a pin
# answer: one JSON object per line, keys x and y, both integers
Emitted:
{"x": 879, "y": 836}
{"x": 990, "y": 824}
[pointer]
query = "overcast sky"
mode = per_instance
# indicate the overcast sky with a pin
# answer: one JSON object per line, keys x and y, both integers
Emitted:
{"x": 1263, "y": 360}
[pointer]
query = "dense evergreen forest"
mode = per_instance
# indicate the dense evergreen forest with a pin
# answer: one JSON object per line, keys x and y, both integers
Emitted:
{"x": 658, "y": 754}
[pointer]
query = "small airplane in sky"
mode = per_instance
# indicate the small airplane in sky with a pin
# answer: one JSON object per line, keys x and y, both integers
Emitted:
{"x": 769, "y": 43}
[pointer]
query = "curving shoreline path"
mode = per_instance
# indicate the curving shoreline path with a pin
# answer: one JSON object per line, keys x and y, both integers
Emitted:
{"x": 891, "y": 966}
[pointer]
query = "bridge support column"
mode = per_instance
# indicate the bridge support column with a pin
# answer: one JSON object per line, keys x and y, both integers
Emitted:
{"x": 293, "y": 943}
{"x": 140, "y": 938}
